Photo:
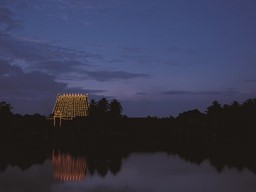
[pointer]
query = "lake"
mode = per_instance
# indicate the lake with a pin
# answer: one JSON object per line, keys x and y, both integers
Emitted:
{"x": 137, "y": 172}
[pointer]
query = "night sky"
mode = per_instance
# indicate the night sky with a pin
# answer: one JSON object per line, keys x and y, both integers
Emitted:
{"x": 158, "y": 57}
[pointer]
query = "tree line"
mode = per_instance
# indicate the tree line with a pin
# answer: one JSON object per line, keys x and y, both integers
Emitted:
{"x": 105, "y": 109}
{"x": 234, "y": 113}
{"x": 225, "y": 134}
{"x": 216, "y": 114}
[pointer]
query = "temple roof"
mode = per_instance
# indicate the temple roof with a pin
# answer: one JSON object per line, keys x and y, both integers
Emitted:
{"x": 70, "y": 105}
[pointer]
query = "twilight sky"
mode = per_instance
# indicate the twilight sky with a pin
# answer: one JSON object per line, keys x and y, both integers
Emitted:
{"x": 158, "y": 57}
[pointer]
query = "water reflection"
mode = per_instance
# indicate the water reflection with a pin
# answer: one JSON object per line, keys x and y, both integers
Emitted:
{"x": 67, "y": 167}
{"x": 139, "y": 172}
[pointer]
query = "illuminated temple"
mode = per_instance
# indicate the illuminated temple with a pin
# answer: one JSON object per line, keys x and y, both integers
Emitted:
{"x": 68, "y": 168}
{"x": 70, "y": 105}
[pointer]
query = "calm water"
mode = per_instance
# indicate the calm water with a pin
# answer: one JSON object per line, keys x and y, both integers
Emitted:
{"x": 139, "y": 172}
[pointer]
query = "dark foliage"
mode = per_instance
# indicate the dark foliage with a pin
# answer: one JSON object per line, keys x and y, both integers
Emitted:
{"x": 5, "y": 113}
{"x": 224, "y": 134}
{"x": 5, "y": 109}
{"x": 104, "y": 109}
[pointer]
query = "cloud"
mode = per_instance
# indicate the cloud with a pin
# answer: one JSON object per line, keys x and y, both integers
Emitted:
{"x": 67, "y": 63}
{"x": 172, "y": 50}
{"x": 7, "y": 19}
{"x": 28, "y": 49}
{"x": 114, "y": 75}
{"x": 13, "y": 78}
{"x": 35, "y": 91}
{"x": 31, "y": 50}
{"x": 82, "y": 90}
{"x": 141, "y": 93}
{"x": 95, "y": 91}
{"x": 6, "y": 69}
{"x": 183, "y": 92}
{"x": 115, "y": 61}
{"x": 58, "y": 67}
{"x": 250, "y": 80}
{"x": 88, "y": 4}
{"x": 43, "y": 56}
{"x": 131, "y": 49}
{"x": 15, "y": 2}
{"x": 28, "y": 92}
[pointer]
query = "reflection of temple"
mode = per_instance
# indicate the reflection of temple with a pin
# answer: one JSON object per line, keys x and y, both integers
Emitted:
{"x": 68, "y": 106}
{"x": 67, "y": 167}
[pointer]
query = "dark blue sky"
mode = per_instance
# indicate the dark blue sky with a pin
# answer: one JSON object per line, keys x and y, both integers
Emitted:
{"x": 158, "y": 57}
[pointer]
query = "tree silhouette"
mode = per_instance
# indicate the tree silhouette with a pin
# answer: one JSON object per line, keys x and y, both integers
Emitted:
{"x": 115, "y": 166}
{"x": 5, "y": 112}
{"x": 5, "y": 109}
{"x": 214, "y": 109}
{"x": 102, "y": 107}
{"x": 115, "y": 109}
{"x": 215, "y": 116}
{"x": 92, "y": 108}
{"x": 5, "y": 115}
{"x": 249, "y": 111}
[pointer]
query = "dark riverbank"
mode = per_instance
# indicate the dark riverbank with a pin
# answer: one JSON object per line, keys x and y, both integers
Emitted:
{"x": 224, "y": 135}
{"x": 33, "y": 141}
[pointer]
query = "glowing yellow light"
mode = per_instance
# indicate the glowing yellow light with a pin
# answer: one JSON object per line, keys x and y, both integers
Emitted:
{"x": 67, "y": 167}
{"x": 68, "y": 106}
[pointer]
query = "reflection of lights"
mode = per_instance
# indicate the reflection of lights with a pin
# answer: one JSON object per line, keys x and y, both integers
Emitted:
{"x": 67, "y": 167}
